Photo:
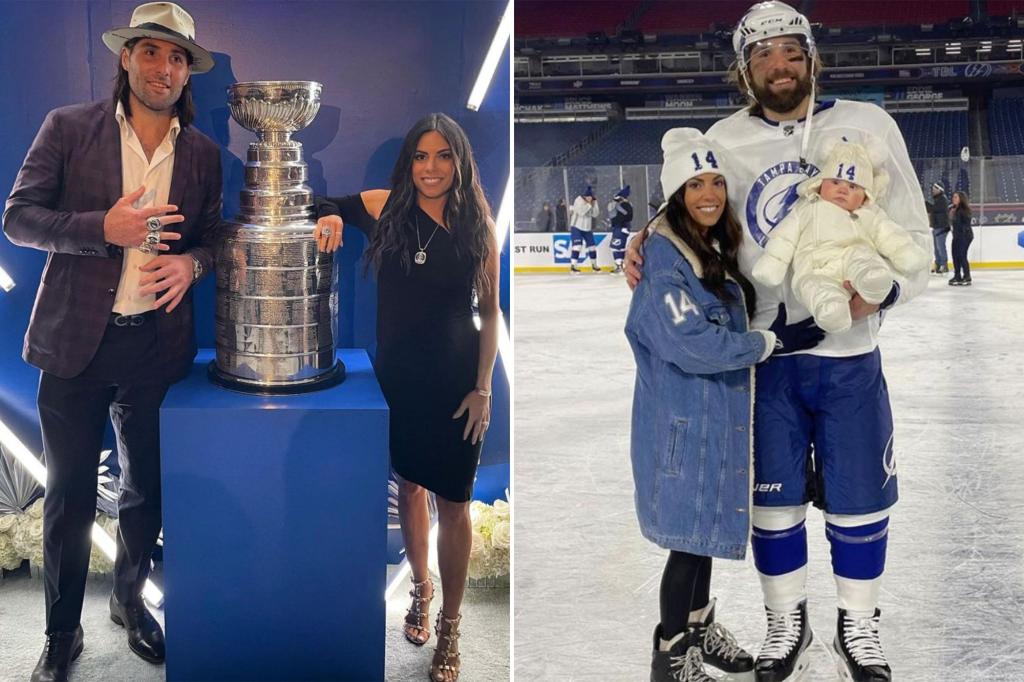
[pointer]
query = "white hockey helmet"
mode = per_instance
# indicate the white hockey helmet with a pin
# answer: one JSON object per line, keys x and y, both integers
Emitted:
{"x": 767, "y": 20}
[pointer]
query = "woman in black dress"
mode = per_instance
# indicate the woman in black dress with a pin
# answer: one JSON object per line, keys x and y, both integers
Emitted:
{"x": 431, "y": 241}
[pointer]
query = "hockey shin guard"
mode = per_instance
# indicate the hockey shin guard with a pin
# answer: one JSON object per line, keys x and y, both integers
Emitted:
{"x": 858, "y": 559}
{"x": 779, "y": 542}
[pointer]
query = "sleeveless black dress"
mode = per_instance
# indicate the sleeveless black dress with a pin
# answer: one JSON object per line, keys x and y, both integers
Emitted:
{"x": 428, "y": 349}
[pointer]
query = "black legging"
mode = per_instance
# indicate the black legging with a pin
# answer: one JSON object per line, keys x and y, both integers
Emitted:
{"x": 685, "y": 587}
{"x": 962, "y": 239}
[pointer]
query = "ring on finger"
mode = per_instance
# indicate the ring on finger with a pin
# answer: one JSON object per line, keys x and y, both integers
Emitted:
{"x": 154, "y": 225}
{"x": 326, "y": 232}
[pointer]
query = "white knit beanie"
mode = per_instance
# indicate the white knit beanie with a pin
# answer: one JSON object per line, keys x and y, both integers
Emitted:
{"x": 688, "y": 153}
{"x": 853, "y": 162}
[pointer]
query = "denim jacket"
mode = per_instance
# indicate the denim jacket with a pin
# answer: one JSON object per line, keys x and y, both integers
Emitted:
{"x": 691, "y": 443}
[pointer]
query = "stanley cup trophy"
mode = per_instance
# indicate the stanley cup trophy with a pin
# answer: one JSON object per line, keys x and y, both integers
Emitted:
{"x": 277, "y": 304}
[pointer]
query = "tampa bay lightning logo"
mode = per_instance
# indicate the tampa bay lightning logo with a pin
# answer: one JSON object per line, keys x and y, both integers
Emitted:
{"x": 774, "y": 192}
{"x": 889, "y": 462}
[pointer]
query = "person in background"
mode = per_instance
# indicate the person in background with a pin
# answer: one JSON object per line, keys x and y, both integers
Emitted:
{"x": 963, "y": 235}
{"x": 561, "y": 216}
{"x": 584, "y": 212}
{"x": 938, "y": 217}
{"x": 621, "y": 211}
{"x": 545, "y": 219}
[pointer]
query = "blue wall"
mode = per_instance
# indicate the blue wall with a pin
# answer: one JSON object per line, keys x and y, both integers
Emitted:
{"x": 383, "y": 66}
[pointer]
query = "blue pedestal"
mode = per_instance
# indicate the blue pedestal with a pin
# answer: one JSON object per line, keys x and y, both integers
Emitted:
{"x": 275, "y": 528}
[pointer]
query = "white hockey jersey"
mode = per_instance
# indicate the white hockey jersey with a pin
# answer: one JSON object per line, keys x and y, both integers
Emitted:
{"x": 582, "y": 214}
{"x": 764, "y": 171}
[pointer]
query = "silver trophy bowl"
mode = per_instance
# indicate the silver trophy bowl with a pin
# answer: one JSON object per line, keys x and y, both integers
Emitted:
{"x": 274, "y": 106}
{"x": 276, "y": 320}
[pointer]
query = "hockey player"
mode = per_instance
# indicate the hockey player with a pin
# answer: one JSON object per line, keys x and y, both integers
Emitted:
{"x": 581, "y": 227}
{"x": 621, "y": 211}
{"x": 823, "y": 423}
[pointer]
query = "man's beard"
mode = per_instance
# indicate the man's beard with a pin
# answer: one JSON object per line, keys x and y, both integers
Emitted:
{"x": 782, "y": 102}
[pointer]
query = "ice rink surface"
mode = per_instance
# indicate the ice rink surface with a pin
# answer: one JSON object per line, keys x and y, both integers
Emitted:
{"x": 586, "y": 582}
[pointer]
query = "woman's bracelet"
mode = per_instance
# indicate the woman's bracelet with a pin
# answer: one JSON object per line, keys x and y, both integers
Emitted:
{"x": 483, "y": 392}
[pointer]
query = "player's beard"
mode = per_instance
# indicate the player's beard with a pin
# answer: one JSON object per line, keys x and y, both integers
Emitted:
{"x": 782, "y": 102}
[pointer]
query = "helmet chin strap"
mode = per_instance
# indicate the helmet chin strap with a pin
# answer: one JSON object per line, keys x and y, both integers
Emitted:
{"x": 806, "y": 140}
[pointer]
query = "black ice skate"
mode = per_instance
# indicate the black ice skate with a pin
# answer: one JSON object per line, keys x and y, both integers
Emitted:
{"x": 719, "y": 648}
{"x": 784, "y": 656}
{"x": 596, "y": 267}
{"x": 573, "y": 270}
{"x": 618, "y": 269}
{"x": 861, "y": 658}
{"x": 682, "y": 662}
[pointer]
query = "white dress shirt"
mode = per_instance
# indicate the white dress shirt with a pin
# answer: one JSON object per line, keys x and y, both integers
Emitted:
{"x": 155, "y": 174}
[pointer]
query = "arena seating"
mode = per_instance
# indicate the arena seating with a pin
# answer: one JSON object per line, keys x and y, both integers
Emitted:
{"x": 1006, "y": 128}
{"x": 934, "y": 133}
{"x": 634, "y": 142}
{"x": 538, "y": 143}
{"x": 842, "y": 13}
{"x": 1005, "y": 180}
{"x": 690, "y": 17}
{"x": 1005, "y": 8}
{"x": 572, "y": 18}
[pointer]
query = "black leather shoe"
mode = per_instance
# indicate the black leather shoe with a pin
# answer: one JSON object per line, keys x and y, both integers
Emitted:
{"x": 61, "y": 649}
{"x": 145, "y": 637}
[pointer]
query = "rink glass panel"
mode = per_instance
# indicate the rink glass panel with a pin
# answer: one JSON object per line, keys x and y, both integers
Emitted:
{"x": 995, "y": 186}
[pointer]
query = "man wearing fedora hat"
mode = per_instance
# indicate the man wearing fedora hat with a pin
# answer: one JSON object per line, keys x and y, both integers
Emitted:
{"x": 125, "y": 198}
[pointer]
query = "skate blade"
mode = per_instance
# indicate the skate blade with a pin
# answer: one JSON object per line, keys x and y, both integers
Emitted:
{"x": 842, "y": 669}
{"x": 803, "y": 664}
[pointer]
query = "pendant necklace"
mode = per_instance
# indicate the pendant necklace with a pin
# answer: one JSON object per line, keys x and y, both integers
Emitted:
{"x": 421, "y": 255}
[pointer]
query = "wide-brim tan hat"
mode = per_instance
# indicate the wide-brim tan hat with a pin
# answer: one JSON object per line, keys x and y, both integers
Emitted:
{"x": 162, "y": 21}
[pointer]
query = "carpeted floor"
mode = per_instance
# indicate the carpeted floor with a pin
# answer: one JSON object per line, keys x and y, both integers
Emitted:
{"x": 106, "y": 658}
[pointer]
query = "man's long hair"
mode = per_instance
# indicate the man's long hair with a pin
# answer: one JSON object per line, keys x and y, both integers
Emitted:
{"x": 716, "y": 263}
{"x": 184, "y": 107}
{"x": 466, "y": 211}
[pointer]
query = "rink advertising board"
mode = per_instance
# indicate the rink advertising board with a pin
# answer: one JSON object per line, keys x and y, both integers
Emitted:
{"x": 552, "y": 251}
{"x": 995, "y": 246}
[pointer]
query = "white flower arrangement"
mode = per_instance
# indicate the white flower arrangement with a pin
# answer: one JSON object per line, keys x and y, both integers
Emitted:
{"x": 21, "y": 526}
{"x": 489, "y": 556}
{"x": 21, "y": 537}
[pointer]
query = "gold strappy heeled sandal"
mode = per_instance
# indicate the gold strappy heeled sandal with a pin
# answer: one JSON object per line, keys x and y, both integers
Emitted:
{"x": 446, "y": 654}
{"x": 417, "y": 617}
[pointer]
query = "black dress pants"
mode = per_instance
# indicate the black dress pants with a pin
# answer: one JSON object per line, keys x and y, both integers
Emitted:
{"x": 123, "y": 380}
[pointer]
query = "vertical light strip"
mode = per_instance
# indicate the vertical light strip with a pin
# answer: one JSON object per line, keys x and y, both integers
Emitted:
{"x": 21, "y": 453}
{"x": 99, "y": 536}
{"x": 490, "y": 65}
{"x": 502, "y": 227}
{"x": 6, "y": 283}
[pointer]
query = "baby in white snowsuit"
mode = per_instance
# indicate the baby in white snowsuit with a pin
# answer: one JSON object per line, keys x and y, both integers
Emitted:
{"x": 838, "y": 232}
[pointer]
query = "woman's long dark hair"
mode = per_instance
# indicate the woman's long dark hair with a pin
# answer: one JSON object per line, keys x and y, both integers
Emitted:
{"x": 716, "y": 263}
{"x": 964, "y": 209}
{"x": 466, "y": 212}
{"x": 184, "y": 107}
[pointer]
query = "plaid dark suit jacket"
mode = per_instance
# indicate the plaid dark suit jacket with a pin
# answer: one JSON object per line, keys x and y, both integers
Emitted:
{"x": 70, "y": 178}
